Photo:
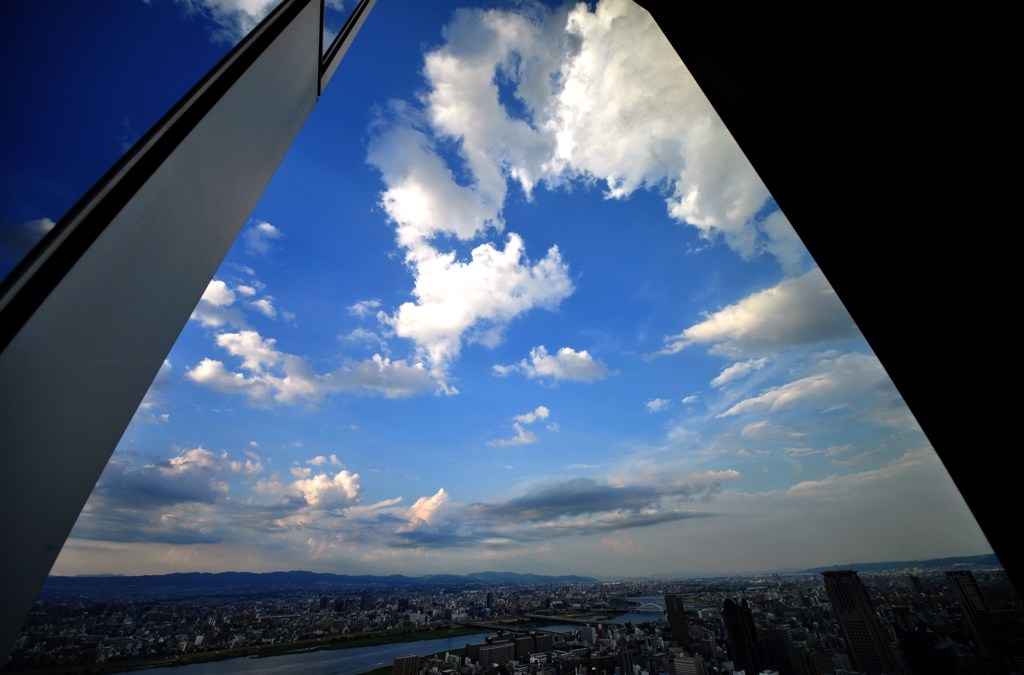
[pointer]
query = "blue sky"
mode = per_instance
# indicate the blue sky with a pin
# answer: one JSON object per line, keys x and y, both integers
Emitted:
{"x": 513, "y": 300}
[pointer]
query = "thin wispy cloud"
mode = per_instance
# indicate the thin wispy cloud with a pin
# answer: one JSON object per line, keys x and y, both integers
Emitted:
{"x": 800, "y": 311}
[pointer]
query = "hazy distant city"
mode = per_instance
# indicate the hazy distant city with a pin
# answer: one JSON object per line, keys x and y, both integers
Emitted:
{"x": 943, "y": 617}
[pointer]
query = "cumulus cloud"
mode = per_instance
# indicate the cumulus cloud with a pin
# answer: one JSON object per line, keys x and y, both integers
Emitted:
{"x": 422, "y": 512}
{"x": 475, "y": 299}
{"x": 657, "y": 405}
{"x": 215, "y": 307}
{"x": 324, "y": 491}
{"x": 567, "y": 364}
{"x": 276, "y": 377}
{"x": 196, "y": 475}
{"x": 599, "y": 95}
{"x": 738, "y": 370}
{"x": 595, "y": 95}
{"x": 455, "y": 299}
{"x": 196, "y": 497}
{"x": 629, "y": 113}
{"x": 523, "y": 435}
{"x": 800, "y": 311}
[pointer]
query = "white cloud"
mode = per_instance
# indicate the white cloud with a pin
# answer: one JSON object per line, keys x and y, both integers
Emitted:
{"x": 364, "y": 307}
{"x": 214, "y": 309}
{"x": 754, "y": 429}
{"x": 853, "y": 382}
{"x": 258, "y": 237}
{"x": 540, "y": 413}
{"x": 838, "y": 485}
{"x": 320, "y": 460}
{"x": 278, "y": 377}
{"x": 424, "y": 510}
{"x": 422, "y": 197}
{"x": 523, "y": 435}
{"x": 233, "y": 18}
{"x": 190, "y": 460}
{"x": 362, "y": 335}
{"x": 475, "y": 299}
{"x": 630, "y": 114}
{"x": 330, "y": 492}
{"x": 567, "y": 364}
{"x": 265, "y": 306}
{"x": 799, "y": 311}
{"x": 600, "y": 95}
{"x": 218, "y": 293}
{"x": 656, "y": 405}
{"x": 456, "y": 299}
{"x": 783, "y": 241}
{"x": 690, "y": 400}
{"x": 738, "y": 370}
{"x": 255, "y": 352}
{"x": 213, "y": 375}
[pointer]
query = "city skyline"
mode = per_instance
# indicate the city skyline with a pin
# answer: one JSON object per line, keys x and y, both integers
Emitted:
{"x": 542, "y": 311}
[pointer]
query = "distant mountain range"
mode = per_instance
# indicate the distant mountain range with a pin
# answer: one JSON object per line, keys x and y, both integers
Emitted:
{"x": 233, "y": 582}
{"x": 246, "y": 582}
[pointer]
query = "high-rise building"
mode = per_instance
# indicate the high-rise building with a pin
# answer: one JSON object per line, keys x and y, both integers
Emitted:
{"x": 868, "y": 643}
{"x": 675, "y": 614}
{"x": 366, "y": 602}
{"x": 967, "y": 591}
{"x": 781, "y": 654}
{"x": 744, "y": 646}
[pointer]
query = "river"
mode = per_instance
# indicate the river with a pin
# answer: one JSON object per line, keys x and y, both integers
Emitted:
{"x": 361, "y": 659}
{"x": 327, "y": 661}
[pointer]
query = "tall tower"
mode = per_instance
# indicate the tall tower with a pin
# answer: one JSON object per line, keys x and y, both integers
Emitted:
{"x": 866, "y": 639}
{"x": 744, "y": 647}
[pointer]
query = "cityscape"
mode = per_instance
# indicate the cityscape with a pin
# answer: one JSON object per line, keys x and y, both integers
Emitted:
{"x": 920, "y": 619}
